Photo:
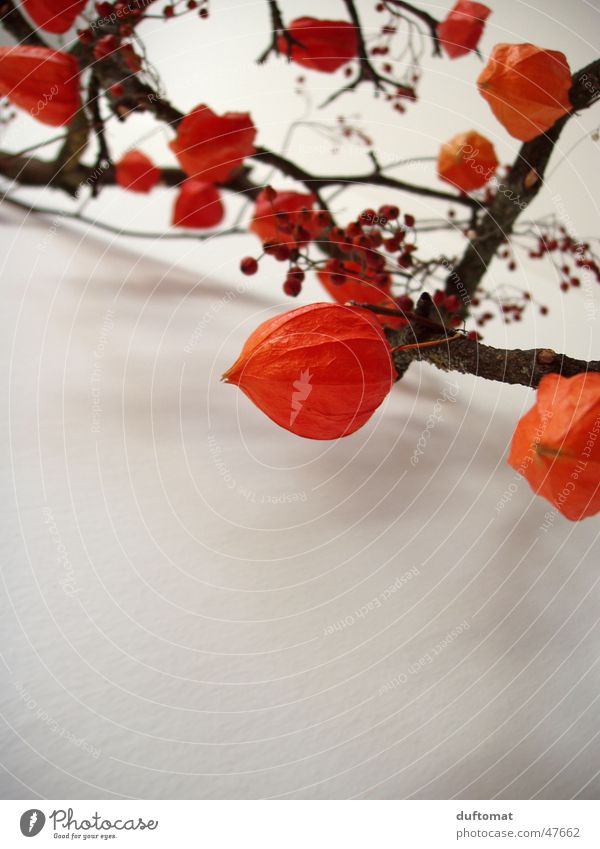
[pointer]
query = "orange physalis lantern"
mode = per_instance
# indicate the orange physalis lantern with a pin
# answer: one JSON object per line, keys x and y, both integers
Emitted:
{"x": 556, "y": 445}
{"x": 44, "y": 82}
{"x": 460, "y": 32}
{"x": 54, "y": 15}
{"x": 319, "y": 371}
{"x": 278, "y": 215}
{"x": 348, "y": 281}
{"x": 136, "y": 171}
{"x": 326, "y": 45}
{"x": 210, "y": 146}
{"x": 198, "y": 205}
{"x": 467, "y": 161}
{"x": 526, "y": 87}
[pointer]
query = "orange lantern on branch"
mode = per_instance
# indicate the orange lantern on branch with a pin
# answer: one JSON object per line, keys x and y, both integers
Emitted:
{"x": 211, "y": 147}
{"x": 460, "y": 32}
{"x": 323, "y": 45}
{"x": 467, "y": 161}
{"x": 42, "y": 81}
{"x": 319, "y": 371}
{"x": 526, "y": 87}
{"x": 556, "y": 445}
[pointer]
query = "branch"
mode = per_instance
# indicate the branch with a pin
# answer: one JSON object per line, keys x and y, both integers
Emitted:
{"x": 430, "y": 22}
{"x": 516, "y": 192}
{"x": 375, "y": 178}
{"x": 29, "y": 171}
{"x": 278, "y": 27}
{"x": 515, "y": 366}
{"x": 122, "y": 231}
{"x": 366, "y": 73}
{"x": 446, "y": 350}
{"x": 15, "y": 23}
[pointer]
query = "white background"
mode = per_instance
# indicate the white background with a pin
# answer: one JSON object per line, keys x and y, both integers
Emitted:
{"x": 188, "y": 645}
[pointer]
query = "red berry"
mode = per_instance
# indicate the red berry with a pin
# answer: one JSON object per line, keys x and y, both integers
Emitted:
{"x": 168, "y": 11}
{"x": 191, "y": 4}
{"x": 390, "y": 213}
{"x": 104, "y": 9}
{"x": 368, "y": 215}
{"x": 281, "y": 253}
{"x": 292, "y": 287}
{"x": 439, "y": 297}
{"x": 248, "y": 265}
{"x": 105, "y": 46}
{"x": 296, "y": 273}
{"x": 85, "y": 36}
{"x": 451, "y": 303}
{"x": 116, "y": 90}
{"x": 474, "y": 336}
{"x": 203, "y": 13}
{"x": 409, "y": 220}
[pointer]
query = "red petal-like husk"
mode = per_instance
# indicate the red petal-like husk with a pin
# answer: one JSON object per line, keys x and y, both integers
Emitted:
{"x": 198, "y": 206}
{"x": 556, "y": 445}
{"x": 136, "y": 172}
{"x": 460, "y": 32}
{"x": 360, "y": 287}
{"x": 54, "y": 15}
{"x": 326, "y": 45}
{"x": 467, "y": 161}
{"x": 42, "y": 81}
{"x": 210, "y": 146}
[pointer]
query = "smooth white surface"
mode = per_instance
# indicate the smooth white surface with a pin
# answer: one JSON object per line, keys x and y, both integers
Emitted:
{"x": 191, "y": 644}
